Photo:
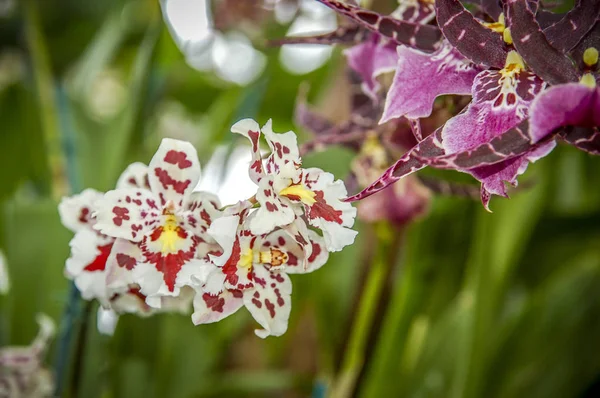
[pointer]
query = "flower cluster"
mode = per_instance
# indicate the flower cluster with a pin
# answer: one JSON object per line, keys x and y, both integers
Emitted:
{"x": 531, "y": 75}
{"x": 154, "y": 244}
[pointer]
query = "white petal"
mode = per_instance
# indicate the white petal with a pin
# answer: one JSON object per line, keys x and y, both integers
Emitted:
{"x": 76, "y": 211}
{"x": 174, "y": 171}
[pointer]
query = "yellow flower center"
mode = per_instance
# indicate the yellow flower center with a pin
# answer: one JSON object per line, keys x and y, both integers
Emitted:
{"x": 299, "y": 192}
{"x": 588, "y": 80}
{"x": 500, "y": 27}
{"x": 514, "y": 64}
{"x": 170, "y": 235}
{"x": 272, "y": 257}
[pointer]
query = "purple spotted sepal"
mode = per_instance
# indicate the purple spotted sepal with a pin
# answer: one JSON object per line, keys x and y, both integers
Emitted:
{"x": 547, "y": 62}
{"x": 472, "y": 39}
{"x": 424, "y": 37}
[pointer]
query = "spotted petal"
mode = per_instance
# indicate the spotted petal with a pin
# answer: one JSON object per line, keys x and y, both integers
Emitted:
{"x": 412, "y": 161}
{"x": 342, "y": 35}
{"x": 564, "y": 105}
{"x": 544, "y": 60}
{"x": 566, "y": 33}
{"x": 76, "y": 211}
{"x": 328, "y": 212}
{"x": 370, "y": 59}
{"x": 424, "y": 37}
{"x": 127, "y": 213}
{"x": 174, "y": 171}
{"x": 123, "y": 258}
{"x": 212, "y": 308}
{"x": 251, "y": 130}
{"x": 417, "y": 11}
{"x": 420, "y": 78}
{"x": 270, "y": 301}
{"x": 586, "y": 139}
{"x": 476, "y": 42}
{"x": 134, "y": 176}
{"x": 87, "y": 264}
{"x": 202, "y": 210}
{"x": 512, "y": 143}
{"x": 273, "y": 211}
{"x": 284, "y": 149}
{"x": 499, "y": 104}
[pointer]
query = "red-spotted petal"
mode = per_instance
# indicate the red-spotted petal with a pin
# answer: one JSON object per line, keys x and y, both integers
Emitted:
{"x": 284, "y": 149}
{"x": 174, "y": 171}
{"x": 329, "y": 212}
{"x": 87, "y": 264}
{"x": 201, "y": 209}
{"x": 270, "y": 301}
{"x": 123, "y": 258}
{"x": 273, "y": 211}
{"x": 76, "y": 211}
{"x": 127, "y": 213}
{"x": 251, "y": 130}
{"x": 134, "y": 176}
{"x": 212, "y": 308}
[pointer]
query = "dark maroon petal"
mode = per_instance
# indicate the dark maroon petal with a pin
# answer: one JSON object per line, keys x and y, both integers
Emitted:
{"x": 342, "y": 35}
{"x": 566, "y": 33}
{"x": 424, "y": 37}
{"x": 592, "y": 39}
{"x": 407, "y": 164}
{"x": 547, "y": 62}
{"x": 547, "y": 18}
{"x": 513, "y": 143}
{"x": 533, "y": 5}
{"x": 476, "y": 42}
{"x": 491, "y": 8}
{"x": 585, "y": 138}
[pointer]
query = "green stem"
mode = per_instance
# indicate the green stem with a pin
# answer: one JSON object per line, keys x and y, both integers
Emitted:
{"x": 46, "y": 96}
{"x": 362, "y": 328}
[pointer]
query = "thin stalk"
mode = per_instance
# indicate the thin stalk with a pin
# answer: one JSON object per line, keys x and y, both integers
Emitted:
{"x": 48, "y": 109}
{"x": 355, "y": 355}
{"x": 80, "y": 350}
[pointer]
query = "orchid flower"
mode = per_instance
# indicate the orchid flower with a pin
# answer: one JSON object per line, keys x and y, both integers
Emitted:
{"x": 375, "y": 146}
{"x": 502, "y": 95}
{"x": 22, "y": 373}
{"x": 287, "y": 191}
{"x": 160, "y": 227}
{"x": 253, "y": 270}
{"x": 89, "y": 248}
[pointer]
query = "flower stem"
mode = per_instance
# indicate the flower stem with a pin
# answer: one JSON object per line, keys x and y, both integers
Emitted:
{"x": 365, "y": 323}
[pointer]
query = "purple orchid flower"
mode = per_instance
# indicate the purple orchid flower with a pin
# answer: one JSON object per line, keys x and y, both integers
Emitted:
{"x": 487, "y": 139}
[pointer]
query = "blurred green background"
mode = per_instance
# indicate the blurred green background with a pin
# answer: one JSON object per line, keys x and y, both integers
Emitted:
{"x": 461, "y": 303}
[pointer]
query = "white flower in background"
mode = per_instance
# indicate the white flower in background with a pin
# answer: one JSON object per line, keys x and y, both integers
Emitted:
{"x": 21, "y": 368}
{"x": 107, "y": 95}
{"x": 314, "y": 18}
{"x": 12, "y": 67}
{"x": 4, "y": 276}
{"x": 231, "y": 56}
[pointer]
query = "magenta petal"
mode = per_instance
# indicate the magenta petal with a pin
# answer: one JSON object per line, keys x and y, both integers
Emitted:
{"x": 370, "y": 59}
{"x": 493, "y": 177}
{"x": 421, "y": 77}
{"x": 570, "y": 104}
{"x": 499, "y": 104}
